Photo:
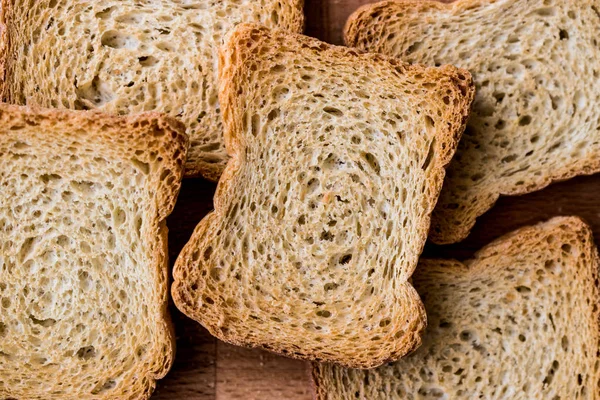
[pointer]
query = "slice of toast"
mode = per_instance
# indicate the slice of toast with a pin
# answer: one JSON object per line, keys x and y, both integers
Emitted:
{"x": 534, "y": 117}
{"x": 83, "y": 252}
{"x": 126, "y": 56}
{"x": 320, "y": 216}
{"x": 518, "y": 321}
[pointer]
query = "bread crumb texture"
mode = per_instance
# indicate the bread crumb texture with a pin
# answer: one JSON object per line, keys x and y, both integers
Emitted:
{"x": 338, "y": 159}
{"x": 535, "y": 118}
{"x": 128, "y": 56}
{"x": 83, "y": 260}
{"x": 519, "y": 321}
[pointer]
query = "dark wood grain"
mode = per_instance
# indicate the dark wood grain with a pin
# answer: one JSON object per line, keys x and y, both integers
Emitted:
{"x": 207, "y": 369}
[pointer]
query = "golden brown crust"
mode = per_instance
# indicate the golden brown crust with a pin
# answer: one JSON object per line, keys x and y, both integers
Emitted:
{"x": 3, "y": 47}
{"x": 234, "y": 71}
{"x": 123, "y": 138}
{"x": 363, "y": 15}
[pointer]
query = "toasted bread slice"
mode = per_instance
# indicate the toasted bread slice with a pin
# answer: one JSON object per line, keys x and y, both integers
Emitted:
{"x": 320, "y": 217}
{"x": 126, "y": 56}
{"x": 83, "y": 252}
{"x": 518, "y": 321}
{"x": 534, "y": 63}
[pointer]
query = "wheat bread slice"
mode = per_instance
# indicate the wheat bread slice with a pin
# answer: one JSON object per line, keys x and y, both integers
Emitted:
{"x": 126, "y": 56}
{"x": 518, "y": 321}
{"x": 323, "y": 210}
{"x": 83, "y": 252}
{"x": 534, "y": 63}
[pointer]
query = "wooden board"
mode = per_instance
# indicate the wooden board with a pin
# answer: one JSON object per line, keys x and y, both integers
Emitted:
{"x": 207, "y": 369}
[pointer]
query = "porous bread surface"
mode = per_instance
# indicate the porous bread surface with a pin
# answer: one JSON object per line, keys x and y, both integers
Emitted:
{"x": 83, "y": 252}
{"x": 130, "y": 56}
{"x": 337, "y": 161}
{"x": 534, "y": 117}
{"x": 519, "y": 321}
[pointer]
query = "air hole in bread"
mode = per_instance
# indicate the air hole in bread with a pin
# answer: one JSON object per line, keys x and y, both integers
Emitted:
{"x": 555, "y": 146}
{"x": 106, "y": 386}
{"x": 207, "y": 253}
{"x": 27, "y": 248}
{"x": 118, "y": 40}
{"x": 414, "y": 47}
{"x": 280, "y": 93}
{"x": 327, "y": 236}
{"x": 330, "y": 286}
{"x": 333, "y": 111}
{"x": 372, "y": 161}
{"x": 195, "y": 6}
{"x": 312, "y": 185}
{"x": 86, "y": 352}
{"x": 255, "y": 124}
{"x": 564, "y": 343}
{"x": 143, "y": 167}
{"x": 466, "y": 336}
{"x": 148, "y": 61}
{"x": 216, "y": 274}
{"x": 546, "y": 11}
{"x": 93, "y": 94}
{"x": 430, "y": 155}
{"x": 345, "y": 259}
{"x": 130, "y": 18}
{"x": 525, "y": 120}
{"x": 138, "y": 226}
{"x": 85, "y": 282}
{"x": 429, "y": 122}
{"x": 384, "y": 322}
{"x": 106, "y": 13}
{"x": 166, "y": 47}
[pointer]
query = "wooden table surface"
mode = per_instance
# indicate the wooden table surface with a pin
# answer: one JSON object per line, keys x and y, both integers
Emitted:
{"x": 207, "y": 369}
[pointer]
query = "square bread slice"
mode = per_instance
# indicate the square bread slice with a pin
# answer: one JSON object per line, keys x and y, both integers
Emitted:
{"x": 126, "y": 56}
{"x": 518, "y": 321}
{"x": 83, "y": 252}
{"x": 535, "y": 118}
{"x": 321, "y": 214}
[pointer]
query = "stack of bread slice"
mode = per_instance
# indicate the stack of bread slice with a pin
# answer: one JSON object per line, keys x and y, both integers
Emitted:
{"x": 331, "y": 160}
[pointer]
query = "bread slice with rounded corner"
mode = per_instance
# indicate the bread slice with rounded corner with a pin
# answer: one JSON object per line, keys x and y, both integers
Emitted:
{"x": 520, "y": 321}
{"x": 125, "y": 56}
{"x": 534, "y": 63}
{"x": 83, "y": 252}
{"x": 320, "y": 216}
